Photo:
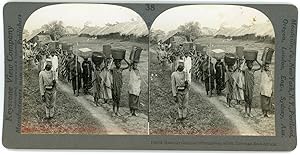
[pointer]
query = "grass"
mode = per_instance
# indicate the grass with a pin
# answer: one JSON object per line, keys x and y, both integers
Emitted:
{"x": 70, "y": 117}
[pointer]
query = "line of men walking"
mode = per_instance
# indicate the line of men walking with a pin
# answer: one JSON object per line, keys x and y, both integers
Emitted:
{"x": 108, "y": 82}
{"x": 235, "y": 79}
{"x": 106, "y": 79}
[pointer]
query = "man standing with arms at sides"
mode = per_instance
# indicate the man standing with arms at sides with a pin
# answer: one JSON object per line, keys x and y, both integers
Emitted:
{"x": 266, "y": 89}
{"x": 180, "y": 88}
{"x": 188, "y": 65}
{"x": 54, "y": 60}
{"x": 47, "y": 84}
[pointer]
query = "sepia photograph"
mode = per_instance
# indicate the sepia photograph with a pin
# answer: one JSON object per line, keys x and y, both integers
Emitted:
{"x": 211, "y": 72}
{"x": 149, "y": 76}
{"x": 85, "y": 71}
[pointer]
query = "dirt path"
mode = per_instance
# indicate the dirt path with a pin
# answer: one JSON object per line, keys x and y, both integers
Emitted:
{"x": 122, "y": 125}
{"x": 99, "y": 113}
{"x": 230, "y": 113}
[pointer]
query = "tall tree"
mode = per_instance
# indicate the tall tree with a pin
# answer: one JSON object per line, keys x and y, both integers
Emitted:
{"x": 190, "y": 30}
{"x": 55, "y": 29}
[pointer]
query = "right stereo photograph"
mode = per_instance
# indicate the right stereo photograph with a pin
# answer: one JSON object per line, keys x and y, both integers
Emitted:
{"x": 211, "y": 72}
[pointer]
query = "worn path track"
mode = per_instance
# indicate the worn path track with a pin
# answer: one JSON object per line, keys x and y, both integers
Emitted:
{"x": 97, "y": 112}
{"x": 230, "y": 113}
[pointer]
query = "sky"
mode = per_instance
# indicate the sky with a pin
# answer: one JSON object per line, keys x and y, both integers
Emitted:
{"x": 78, "y": 14}
{"x": 212, "y": 16}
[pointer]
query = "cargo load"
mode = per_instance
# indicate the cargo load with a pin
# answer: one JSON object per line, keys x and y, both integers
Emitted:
{"x": 118, "y": 54}
{"x": 217, "y": 53}
{"x": 107, "y": 51}
{"x": 84, "y": 53}
{"x": 97, "y": 58}
{"x": 229, "y": 59}
{"x": 239, "y": 51}
{"x": 135, "y": 54}
{"x": 267, "y": 55}
{"x": 250, "y": 55}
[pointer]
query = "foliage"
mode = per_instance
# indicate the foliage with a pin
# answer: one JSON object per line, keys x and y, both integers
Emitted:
{"x": 55, "y": 29}
{"x": 190, "y": 30}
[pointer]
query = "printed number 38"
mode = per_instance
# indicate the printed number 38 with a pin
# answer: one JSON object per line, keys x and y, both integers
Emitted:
{"x": 150, "y": 7}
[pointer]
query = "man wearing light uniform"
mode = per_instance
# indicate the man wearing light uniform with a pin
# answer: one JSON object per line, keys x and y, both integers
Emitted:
{"x": 47, "y": 85}
{"x": 54, "y": 60}
{"x": 180, "y": 88}
{"x": 188, "y": 66}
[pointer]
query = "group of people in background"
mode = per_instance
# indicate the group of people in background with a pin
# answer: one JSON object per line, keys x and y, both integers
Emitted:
{"x": 235, "y": 81}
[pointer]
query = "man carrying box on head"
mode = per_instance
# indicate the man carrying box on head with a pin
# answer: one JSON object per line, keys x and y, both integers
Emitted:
{"x": 106, "y": 74}
{"x": 107, "y": 80}
{"x": 230, "y": 61}
{"x": 134, "y": 88}
{"x": 118, "y": 55}
{"x": 98, "y": 58}
{"x": 266, "y": 86}
{"x": 238, "y": 76}
{"x": 250, "y": 57}
{"x": 180, "y": 89}
{"x": 134, "y": 81}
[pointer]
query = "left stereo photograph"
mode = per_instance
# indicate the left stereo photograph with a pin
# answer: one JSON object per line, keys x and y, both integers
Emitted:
{"x": 85, "y": 71}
